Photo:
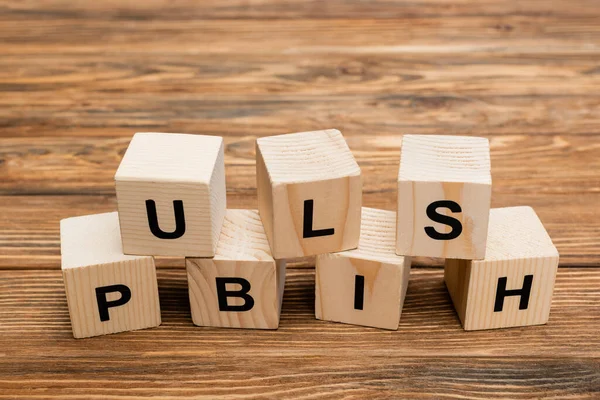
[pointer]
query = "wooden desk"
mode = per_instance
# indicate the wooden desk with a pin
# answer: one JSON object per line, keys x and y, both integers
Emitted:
{"x": 78, "y": 78}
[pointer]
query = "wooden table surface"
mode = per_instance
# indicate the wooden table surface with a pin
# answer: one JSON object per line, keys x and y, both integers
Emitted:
{"x": 78, "y": 78}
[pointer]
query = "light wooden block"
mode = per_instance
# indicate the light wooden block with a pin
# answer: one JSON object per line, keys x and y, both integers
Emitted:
{"x": 98, "y": 277}
{"x": 309, "y": 193}
{"x": 243, "y": 263}
{"x": 520, "y": 255}
{"x": 171, "y": 194}
{"x": 444, "y": 193}
{"x": 373, "y": 267}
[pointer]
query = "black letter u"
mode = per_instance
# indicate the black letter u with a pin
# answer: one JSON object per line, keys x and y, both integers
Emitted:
{"x": 153, "y": 220}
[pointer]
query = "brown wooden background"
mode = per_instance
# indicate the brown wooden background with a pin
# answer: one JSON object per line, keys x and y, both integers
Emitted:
{"x": 78, "y": 78}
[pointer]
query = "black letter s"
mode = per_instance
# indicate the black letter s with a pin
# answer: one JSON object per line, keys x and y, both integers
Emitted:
{"x": 443, "y": 219}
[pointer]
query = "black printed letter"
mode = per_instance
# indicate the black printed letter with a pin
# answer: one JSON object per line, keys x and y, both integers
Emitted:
{"x": 104, "y": 305}
{"x": 308, "y": 222}
{"x": 501, "y": 293}
{"x": 153, "y": 220}
{"x": 223, "y": 294}
{"x": 359, "y": 292}
{"x": 443, "y": 219}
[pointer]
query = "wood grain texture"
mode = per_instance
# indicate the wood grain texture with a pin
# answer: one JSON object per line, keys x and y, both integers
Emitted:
{"x": 429, "y": 356}
{"x": 384, "y": 277}
{"x": 243, "y": 254}
{"x": 270, "y": 9}
{"x": 316, "y": 167}
{"x": 78, "y": 78}
{"x": 167, "y": 169}
{"x": 518, "y": 246}
{"x": 450, "y": 175}
{"x": 92, "y": 258}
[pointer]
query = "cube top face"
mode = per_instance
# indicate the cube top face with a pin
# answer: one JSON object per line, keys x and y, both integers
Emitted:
{"x": 92, "y": 240}
{"x": 377, "y": 237}
{"x": 243, "y": 238}
{"x": 433, "y": 158}
{"x": 307, "y": 157}
{"x": 444, "y": 197}
{"x": 170, "y": 157}
{"x": 517, "y": 233}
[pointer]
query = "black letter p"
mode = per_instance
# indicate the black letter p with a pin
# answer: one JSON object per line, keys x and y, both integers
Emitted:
{"x": 104, "y": 304}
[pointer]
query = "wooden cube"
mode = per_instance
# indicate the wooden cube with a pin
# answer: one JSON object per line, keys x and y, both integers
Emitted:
{"x": 242, "y": 286}
{"x": 309, "y": 193}
{"x": 107, "y": 291}
{"x": 365, "y": 286}
{"x": 444, "y": 193}
{"x": 171, "y": 194}
{"x": 513, "y": 285}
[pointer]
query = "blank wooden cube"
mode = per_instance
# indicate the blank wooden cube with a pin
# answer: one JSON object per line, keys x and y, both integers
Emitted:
{"x": 107, "y": 291}
{"x": 444, "y": 192}
{"x": 513, "y": 285}
{"x": 171, "y": 194}
{"x": 309, "y": 193}
{"x": 365, "y": 286}
{"x": 242, "y": 286}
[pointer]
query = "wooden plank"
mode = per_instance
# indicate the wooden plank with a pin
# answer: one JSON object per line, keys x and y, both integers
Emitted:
{"x": 221, "y": 79}
{"x": 276, "y": 9}
{"x": 385, "y": 92}
{"x": 538, "y": 34}
{"x": 201, "y": 374}
{"x": 563, "y": 164}
{"x": 430, "y": 355}
{"x": 457, "y": 112}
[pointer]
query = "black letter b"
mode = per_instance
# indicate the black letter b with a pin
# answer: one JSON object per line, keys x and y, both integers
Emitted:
{"x": 223, "y": 294}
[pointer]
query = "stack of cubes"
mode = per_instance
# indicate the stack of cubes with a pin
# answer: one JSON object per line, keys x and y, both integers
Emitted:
{"x": 171, "y": 199}
{"x": 500, "y": 263}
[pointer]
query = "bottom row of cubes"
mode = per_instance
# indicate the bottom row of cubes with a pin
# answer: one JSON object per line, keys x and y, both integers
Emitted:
{"x": 242, "y": 286}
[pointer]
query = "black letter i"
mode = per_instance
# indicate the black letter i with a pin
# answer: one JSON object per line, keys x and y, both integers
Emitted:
{"x": 359, "y": 292}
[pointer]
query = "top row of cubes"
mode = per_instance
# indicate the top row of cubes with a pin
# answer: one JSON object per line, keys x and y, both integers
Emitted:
{"x": 172, "y": 198}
